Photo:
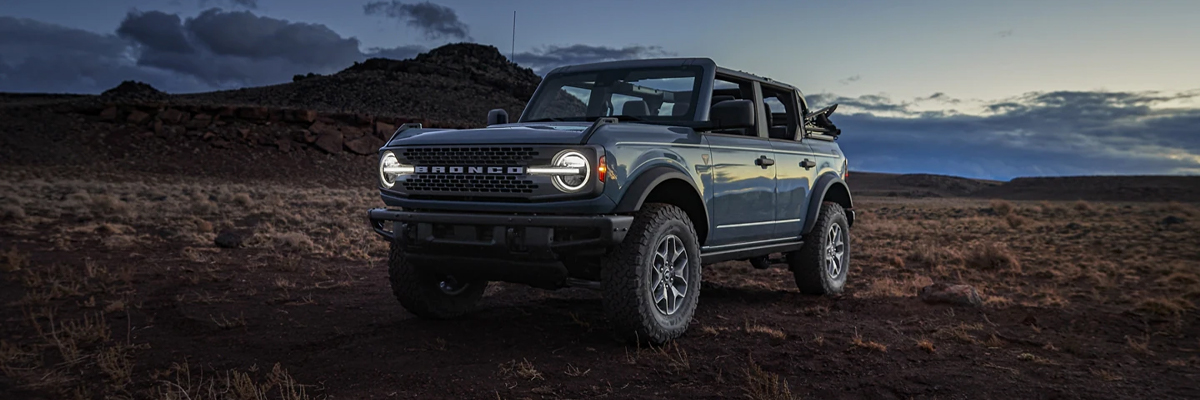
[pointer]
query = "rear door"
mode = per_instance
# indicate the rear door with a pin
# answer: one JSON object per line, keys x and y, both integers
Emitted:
{"x": 795, "y": 166}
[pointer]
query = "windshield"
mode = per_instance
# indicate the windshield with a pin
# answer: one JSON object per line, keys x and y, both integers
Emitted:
{"x": 638, "y": 94}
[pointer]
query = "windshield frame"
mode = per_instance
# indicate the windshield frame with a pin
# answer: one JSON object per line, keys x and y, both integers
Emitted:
{"x": 547, "y": 92}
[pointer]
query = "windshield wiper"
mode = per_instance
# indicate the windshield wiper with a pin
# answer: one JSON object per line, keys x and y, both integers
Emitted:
{"x": 548, "y": 119}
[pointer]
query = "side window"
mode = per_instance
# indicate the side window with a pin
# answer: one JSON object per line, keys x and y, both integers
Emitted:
{"x": 781, "y": 114}
{"x": 731, "y": 88}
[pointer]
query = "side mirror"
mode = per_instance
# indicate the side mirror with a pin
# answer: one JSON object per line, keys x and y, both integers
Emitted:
{"x": 732, "y": 114}
{"x": 497, "y": 116}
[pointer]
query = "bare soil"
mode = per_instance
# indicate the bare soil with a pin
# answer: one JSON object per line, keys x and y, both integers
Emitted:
{"x": 110, "y": 286}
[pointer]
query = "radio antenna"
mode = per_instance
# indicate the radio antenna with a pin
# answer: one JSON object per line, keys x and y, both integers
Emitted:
{"x": 512, "y": 52}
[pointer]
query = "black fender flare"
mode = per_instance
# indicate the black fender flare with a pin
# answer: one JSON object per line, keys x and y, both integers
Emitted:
{"x": 826, "y": 182}
{"x": 645, "y": 183}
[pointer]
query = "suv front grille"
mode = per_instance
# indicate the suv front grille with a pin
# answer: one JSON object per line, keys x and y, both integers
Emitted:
{"x": 469, "y": 155}
{"x": 461, "y": 183}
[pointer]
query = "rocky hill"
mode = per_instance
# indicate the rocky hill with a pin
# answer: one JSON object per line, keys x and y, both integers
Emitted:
{"x": 454, "y": 84}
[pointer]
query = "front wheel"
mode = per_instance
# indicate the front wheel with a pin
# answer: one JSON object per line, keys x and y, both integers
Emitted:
{"x": 651, "y": 282}
{"x": 821, "y": 266}
{"x": 430, "y": 295}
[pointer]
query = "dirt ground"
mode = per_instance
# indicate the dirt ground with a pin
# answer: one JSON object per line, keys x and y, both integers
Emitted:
{"x": 111, "y": 287}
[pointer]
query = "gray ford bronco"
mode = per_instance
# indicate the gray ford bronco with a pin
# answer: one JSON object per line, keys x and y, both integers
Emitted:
{"x": 625, "y": 177}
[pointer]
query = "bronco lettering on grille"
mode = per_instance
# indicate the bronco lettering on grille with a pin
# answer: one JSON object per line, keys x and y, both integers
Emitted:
{"x": 426, "y": 169}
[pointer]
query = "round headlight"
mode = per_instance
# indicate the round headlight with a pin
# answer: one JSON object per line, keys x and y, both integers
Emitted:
{"x": 389, "y": 168}
{"x": 574, "y": 182}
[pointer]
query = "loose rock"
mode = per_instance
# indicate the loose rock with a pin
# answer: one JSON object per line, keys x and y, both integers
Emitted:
{"x": 330, "y": 142}
{"x": 231, "y": 239}
{"x": 1172, "y": 220}
{"x": 365, "y": 145}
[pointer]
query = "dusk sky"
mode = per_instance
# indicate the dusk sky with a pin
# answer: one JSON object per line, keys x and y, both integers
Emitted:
{"x": 983, "y": 89}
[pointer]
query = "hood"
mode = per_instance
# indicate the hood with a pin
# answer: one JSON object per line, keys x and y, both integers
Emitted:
{"x": 529, "y": 133}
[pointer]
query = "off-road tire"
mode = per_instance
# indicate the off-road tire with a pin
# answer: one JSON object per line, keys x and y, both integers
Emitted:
{"x": 418, "y": 291}
{"x": 808, "y": 264}
{"x": 626, "y": 277}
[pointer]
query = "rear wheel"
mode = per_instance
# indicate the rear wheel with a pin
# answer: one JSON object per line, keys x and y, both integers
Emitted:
{"x": 822, "y": 265}
{"x": 651, "y": 282}
{"x": 430, "y": 295}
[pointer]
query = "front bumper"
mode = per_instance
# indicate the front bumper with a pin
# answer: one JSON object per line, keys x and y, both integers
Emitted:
{"x": 515, "y": 248}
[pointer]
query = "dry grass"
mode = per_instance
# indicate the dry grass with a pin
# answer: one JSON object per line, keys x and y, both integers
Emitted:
{"x": 521, "y": 369}
{"x": 224, "y": 322}
{"x": 895, "y": 287}
{"x": 1002, "y": 207}
{"x": 13, "y": 260}
{"x": 932, "y": 255}
{"x": 992, "y": 256}
{"x": 1015, "y": 221}
{"x": 290, "y": 219}
{"x": 773, "y": 333}
{"x": 927, "y": 345}
{"x": 763, "y": 385}
{"x": 1165, "y": 306}
{"x": 182, "y": 383}
{"x": 575, "y": 372}
{"x": 858, "y": 341}
{"x": 675, "y": 357}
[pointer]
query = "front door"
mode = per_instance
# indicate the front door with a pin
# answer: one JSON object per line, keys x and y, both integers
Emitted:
{"x": 743, "y": 189}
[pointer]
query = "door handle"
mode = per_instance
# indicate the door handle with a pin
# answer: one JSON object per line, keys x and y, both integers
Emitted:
{"x": 764, "y": 162}
{"x": 808, "y": 164}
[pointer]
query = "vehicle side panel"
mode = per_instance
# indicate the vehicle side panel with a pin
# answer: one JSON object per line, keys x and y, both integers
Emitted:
{"x": 743, "y": 200}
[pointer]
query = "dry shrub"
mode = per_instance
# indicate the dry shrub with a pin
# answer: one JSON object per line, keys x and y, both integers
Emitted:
{"x": 930, "y": 255}
{"x": 927, "y": 345}
{"x": 1002, "y": 207}
{"x": 1177, "y": 207}
{"x": 892, "y": 287}
{"x": 763, "y": 385}
{"x": 992, "y": 256}
{"x": 12, "y": 212}
{"x": 296, "y": 241}
{"x": 243, "y": 200}
{"x": 1180, "y": 279}
{"x": 523, "y": 370}
{"x": 204, "y": 207}
{"x": 960, "y": 332}
{"x": 13, "y": 260}
{"x": 109, "y": 205}
{"x": 1049, "y": 208}
{"x": 118, "y": 241}
{"x": 1016, "y": 221}
{"x": 1165, "y": 306}
{"x": 202, "y": 226}
{"x": 1083, "y": 207}
{"x": 896, "y": 261}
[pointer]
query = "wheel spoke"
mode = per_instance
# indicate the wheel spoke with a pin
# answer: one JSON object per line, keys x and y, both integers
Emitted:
{"x": 669, "y": 276}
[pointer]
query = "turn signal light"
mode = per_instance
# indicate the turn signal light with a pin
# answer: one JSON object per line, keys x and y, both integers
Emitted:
{"x": 602, "y": 169}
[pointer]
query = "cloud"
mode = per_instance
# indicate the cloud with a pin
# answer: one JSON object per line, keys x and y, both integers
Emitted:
{"x": 1036, "y": 134}
{"x": 249, "y": 4}
{"x": 1005, "y": 33}
{"x": 396, "y": 53}
{"x": 434, "y": 21}
{"x": 544, "y": 59}
{"x": 214, "y": 50}
{"x": 850, "y": 80}
{"x": 42, "y": 57}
